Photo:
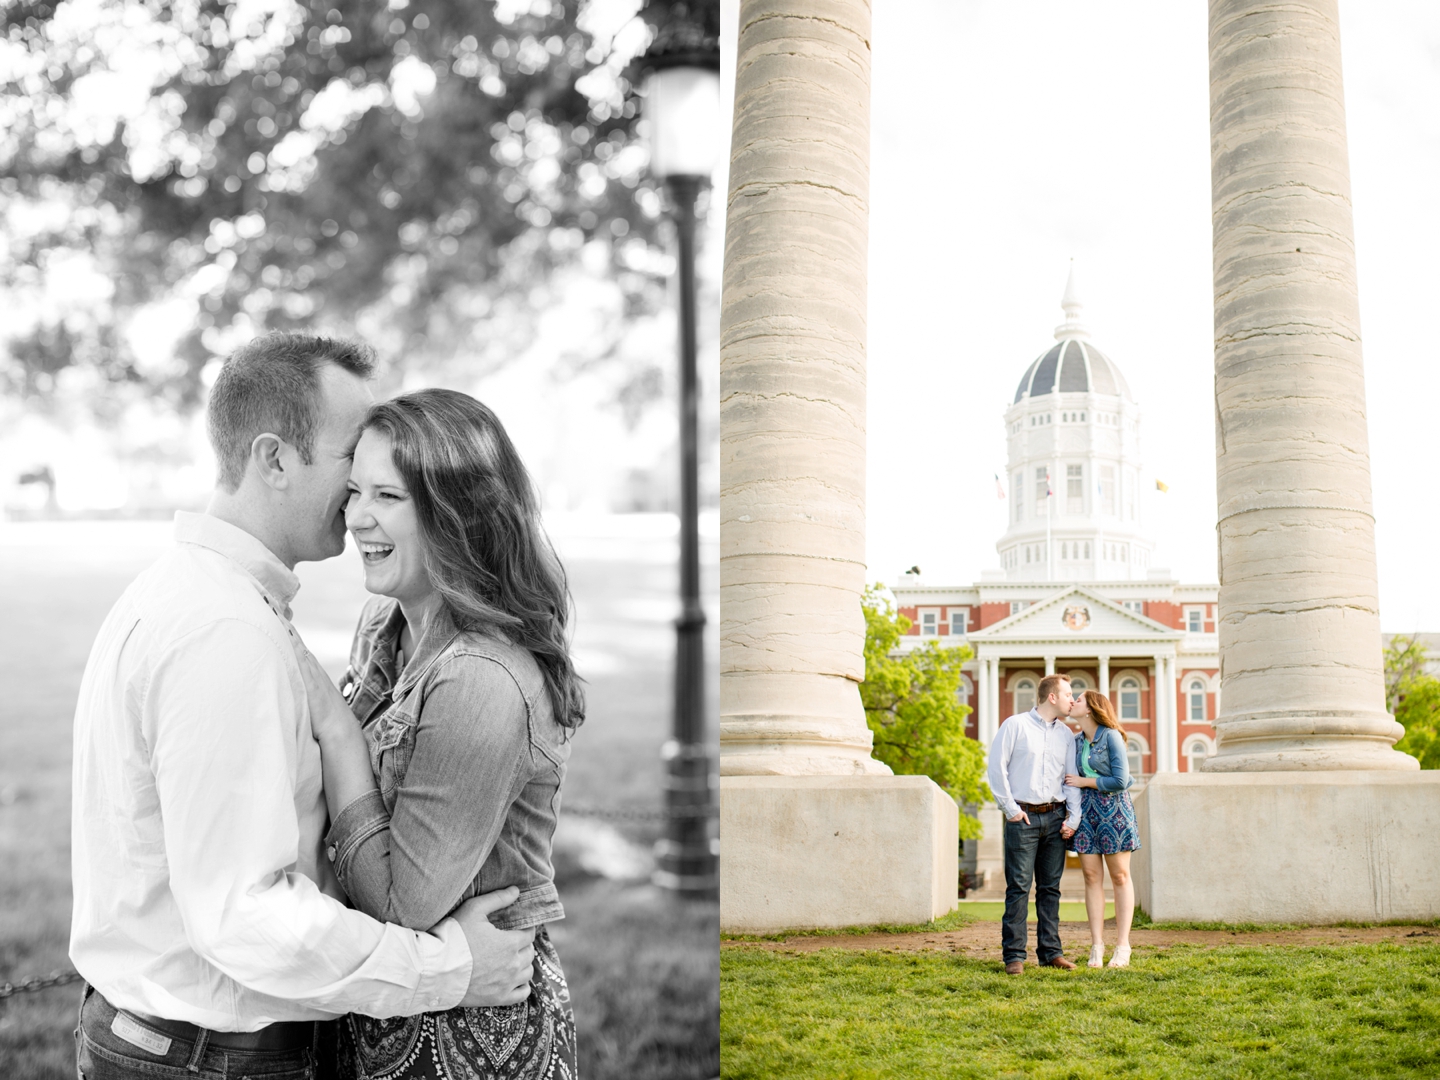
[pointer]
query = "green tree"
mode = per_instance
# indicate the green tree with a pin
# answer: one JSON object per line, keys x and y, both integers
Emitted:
{"x": 1413, "y": 695}
{"x": 912, "y": 705}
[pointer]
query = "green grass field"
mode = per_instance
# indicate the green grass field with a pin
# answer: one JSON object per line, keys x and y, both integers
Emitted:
{"x": 1186, "y": 1011}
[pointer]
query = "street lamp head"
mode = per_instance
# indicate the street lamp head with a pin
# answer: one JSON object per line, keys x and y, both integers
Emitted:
{"x": 681, "y": 71}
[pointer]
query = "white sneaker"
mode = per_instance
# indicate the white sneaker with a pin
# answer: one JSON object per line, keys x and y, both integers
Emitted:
{"x": 1121, "y": 956}
{"x": 1097, "y": 955}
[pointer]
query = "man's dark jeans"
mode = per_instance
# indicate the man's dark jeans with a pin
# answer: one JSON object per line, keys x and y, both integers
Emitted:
{"x": 1033, "y": 852}
{"x": 101, "y": 1054}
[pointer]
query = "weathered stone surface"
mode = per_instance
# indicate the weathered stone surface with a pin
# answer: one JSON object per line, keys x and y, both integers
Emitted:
{"x": 829, "y": 851}
{"x": 1299, "y": 625}
{"x": 1295, "y": 847}
{"x": 792, "y": 393}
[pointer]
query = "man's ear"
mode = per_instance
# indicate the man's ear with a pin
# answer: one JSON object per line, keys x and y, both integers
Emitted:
{"x": 267, "y": 458}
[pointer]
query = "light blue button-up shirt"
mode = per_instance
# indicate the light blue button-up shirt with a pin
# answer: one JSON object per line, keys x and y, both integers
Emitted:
{"x": 1028, "y": 762}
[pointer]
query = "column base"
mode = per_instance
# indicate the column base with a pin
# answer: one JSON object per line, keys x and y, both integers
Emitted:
{"x": 1289, "y": 847}
{"x": 805, "y": 852}
{"x": 1281, "y": 741}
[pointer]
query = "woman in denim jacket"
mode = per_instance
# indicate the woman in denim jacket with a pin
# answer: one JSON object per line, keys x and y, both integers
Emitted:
{"x": 1107, "y": 821}
{"x": 461, "y": 682}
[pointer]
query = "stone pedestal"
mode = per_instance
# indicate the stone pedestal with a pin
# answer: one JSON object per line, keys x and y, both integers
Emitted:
{"x": 832, "y": 851}
{"x": 1289, "y": 847}
{"x": 990, "y": 859}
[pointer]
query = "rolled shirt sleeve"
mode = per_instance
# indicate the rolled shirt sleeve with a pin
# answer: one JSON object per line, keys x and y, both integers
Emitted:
{"x": 223, "y": 721}
{"x": 1072, "y": 794}
{"x": 471, "y": 759}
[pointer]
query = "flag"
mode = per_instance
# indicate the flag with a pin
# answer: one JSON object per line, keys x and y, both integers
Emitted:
{"x": 1048, "y": 490}
{"x": 1160, "y": 485}
{"x": 999, "y": 487}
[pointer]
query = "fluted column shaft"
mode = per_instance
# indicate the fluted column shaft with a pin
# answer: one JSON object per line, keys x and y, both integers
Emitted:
{"x": 1299, "y": 617}
{"x": 792, "y": 393}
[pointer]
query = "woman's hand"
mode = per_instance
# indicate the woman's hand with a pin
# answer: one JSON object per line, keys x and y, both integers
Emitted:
{"x": 1080, "y": 781}
{"x": 330, "y": 715}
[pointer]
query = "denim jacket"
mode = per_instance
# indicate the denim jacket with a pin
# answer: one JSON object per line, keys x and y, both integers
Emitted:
{"x": 1108, "y": 758}
{"x": 469, "y": 761}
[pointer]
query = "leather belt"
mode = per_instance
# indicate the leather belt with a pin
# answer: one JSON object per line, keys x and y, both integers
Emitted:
{"x": 286, "y": 1035}
{"x": 1039, "y": 808}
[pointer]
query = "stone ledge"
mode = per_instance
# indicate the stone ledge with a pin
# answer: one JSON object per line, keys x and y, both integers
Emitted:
{"x": 809, "y": 852}
{"x": 1289, "y": 847}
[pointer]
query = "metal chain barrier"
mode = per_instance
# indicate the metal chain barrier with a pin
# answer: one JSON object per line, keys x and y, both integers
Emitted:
{"x": 39, "y": 982}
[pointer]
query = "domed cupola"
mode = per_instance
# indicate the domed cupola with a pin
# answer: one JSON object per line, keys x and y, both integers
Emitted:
{"x": 1073, "y": 439}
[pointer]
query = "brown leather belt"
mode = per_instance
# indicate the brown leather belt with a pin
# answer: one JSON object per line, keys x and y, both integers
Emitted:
{"x": 1039, "y": 808}
{"x": 287, "y": 1035}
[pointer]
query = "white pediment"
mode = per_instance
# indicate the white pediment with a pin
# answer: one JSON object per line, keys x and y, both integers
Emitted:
{"x": 1075, "y": 614}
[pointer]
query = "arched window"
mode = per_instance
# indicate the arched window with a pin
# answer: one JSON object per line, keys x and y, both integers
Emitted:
{"x": 1196, "y": 751}
{"x": 1087, "y": 549}
{"x": 1129, "y": 699}
{"x": 1079, "y": 684}
{"x": 1024, "y": 696}
{"x": 1135, "y": 752}
{"x": 962, "y": 692}
{"x": 1197, "y": 700}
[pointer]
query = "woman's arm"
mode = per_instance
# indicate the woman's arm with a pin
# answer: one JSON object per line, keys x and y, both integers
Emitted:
{"x": 344, "y": 756}
{"x": 1119, "y": 778}
{"x": 471, "y": 759}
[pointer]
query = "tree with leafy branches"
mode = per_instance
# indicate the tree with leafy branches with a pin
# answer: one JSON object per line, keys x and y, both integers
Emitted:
{"x": 912, "y": 705}
{"x": 1412, "y": 694}
{"x": 415, "y": 169}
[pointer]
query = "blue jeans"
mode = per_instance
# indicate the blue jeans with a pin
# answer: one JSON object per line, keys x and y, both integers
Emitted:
{"x": 100, "y": 1054}
{"x": 1033, "y": 852}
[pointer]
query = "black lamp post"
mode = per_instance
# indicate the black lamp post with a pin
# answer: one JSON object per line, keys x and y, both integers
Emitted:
{"x": 682, "y": 110}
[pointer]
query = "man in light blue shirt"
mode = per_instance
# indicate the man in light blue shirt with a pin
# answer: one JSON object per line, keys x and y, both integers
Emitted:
{"x": 1029, "y": 758}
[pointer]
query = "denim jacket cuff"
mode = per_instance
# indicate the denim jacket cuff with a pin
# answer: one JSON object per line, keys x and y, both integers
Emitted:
{"x": 357, "y": 823}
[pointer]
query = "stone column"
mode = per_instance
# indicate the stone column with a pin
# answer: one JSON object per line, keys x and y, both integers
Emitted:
{"x": 1049, "y": 665}
{"x": 1299, "y": 624}
{"x": 792, "y": 394}
{"x": 1104, "y": 662}
{"x": 817, "y": 833}
{"x": 982, "y": 700}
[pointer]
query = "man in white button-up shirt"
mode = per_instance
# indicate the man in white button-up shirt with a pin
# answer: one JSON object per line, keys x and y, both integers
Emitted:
{"x": 1029, "y": 759}
{"x": 206, "y": 918}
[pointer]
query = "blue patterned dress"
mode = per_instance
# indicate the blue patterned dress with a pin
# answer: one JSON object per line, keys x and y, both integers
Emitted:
{"x": 1107, "y": 818}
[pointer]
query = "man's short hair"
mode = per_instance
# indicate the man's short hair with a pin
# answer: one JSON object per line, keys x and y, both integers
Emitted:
{"x": 1050, "y": 684}
{"x": 272, "y": 385}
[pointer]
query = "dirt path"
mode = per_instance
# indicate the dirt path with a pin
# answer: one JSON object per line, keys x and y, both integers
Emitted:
{"x": 981, "y": 940}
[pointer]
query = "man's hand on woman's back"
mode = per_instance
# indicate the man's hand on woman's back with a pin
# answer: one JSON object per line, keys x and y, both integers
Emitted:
{"x": 501, "y": 961}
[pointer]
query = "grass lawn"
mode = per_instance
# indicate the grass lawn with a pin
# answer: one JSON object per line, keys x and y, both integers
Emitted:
{"x": 1186, "y": 1011}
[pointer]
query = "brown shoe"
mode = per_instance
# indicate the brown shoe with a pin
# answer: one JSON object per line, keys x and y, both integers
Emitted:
{"x": 1015, "y": 967}
{"x": 1058, "y": 962}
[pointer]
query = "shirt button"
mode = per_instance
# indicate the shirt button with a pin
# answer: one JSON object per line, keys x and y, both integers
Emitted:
{"x": 330, "y": 853}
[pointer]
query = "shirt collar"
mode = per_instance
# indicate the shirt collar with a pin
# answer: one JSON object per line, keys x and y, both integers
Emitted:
{"x": 240, "y": 547}
{"x": 438, "y": 633}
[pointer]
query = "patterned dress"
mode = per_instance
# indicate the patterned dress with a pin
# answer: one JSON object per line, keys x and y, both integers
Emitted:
{"x": 534, "y": 1040}
{"x": 1107, "y": 818}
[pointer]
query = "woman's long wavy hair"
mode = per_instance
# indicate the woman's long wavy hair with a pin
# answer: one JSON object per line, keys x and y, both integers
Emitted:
{"x": 1102, "y": 710}
{"x": 485, "y": 549}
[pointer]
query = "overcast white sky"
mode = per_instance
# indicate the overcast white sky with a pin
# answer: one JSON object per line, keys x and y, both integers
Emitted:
{"x": 1009, "y": 138}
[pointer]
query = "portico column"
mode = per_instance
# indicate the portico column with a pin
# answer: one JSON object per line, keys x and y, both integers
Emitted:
{"x": 1165, "y": 688}
{"x": 982, "y": 699}
{"x": 1105, "y": 675}
{"x": 994, "y": 725}
{"x": 1049, "y": 665}
{"x": 1299, "y": 624}
{"x": 792, "y": 394}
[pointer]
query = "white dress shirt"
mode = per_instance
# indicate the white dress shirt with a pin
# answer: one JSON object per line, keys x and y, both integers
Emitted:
{"x": 1029, "y": 758}
{"x": 201, "y": 890}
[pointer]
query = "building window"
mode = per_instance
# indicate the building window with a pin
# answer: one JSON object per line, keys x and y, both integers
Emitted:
{"x": 1075, "y": 489}
{"x": 1024, "y": 696}
{"x": 1195, "y": 619}
{"x": 1135, "y": 752}
{"x": 959, "y": 621}
{"x": 929, "y": 623}
{"x": 1197, "y": 700}
{"x": 1129, "y": 699}
{"x": 1196, "y": 753}
{"x": 1017, "y": 495}
{"x": 1137, "y": 606}
{"x": 1087, "y": 549}
{"x": 1107, "y": 490}
{"x": 1079, "y": 684}
{"x": 962, "y": 692}
{"x": 1042, "y": 485}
